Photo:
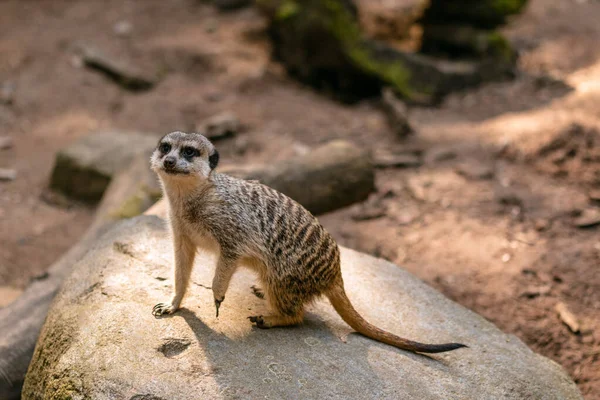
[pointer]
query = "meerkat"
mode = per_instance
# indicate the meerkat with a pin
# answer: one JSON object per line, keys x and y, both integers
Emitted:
{"x": 247, "y": 223}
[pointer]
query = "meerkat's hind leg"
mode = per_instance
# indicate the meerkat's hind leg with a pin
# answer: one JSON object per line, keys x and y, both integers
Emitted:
{"x": 272, "y": 321}
{"x": 288, "y": 308}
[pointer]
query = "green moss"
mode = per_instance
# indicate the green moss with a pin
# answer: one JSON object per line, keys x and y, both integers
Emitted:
{"x": 137, "y": 203}
{"x": 45, "y": 376}
{"x": 345, "y": 28}
{"x": 508, "y": 7}
{"x": 500, "y": 47}
{"x": 61, "y": 389}
{"x": 287, "y": 9}
{"x": 393, "y": 73}
{"x": 130, "y": 207}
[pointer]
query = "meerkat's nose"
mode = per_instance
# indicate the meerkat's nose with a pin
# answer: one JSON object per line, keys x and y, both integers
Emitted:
{"x": 169, "y": 162}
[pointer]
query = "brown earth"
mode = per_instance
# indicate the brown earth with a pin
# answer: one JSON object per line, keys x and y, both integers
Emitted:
{"x": 488, "y": 219}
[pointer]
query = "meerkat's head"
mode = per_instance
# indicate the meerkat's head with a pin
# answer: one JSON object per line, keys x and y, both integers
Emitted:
{"x": 181, "y": 155}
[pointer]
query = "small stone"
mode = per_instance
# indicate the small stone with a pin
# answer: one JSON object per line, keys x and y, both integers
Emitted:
{"x": 567, "y": 317}
{"x": 535, "y": 291}
{"x": 416, "y": 188}
{"x": 476, "y": 170}
{"x": 594, "y": 195}
{"x": 7, "y": 93}
{"x": 508, "y": 197}
{"x": 587, "y": 339}
{"x": 371, "y": 209}
{"x": 56, "y": 199}
{"x": 407, "y": 217}
{"x": 386, "y": 160}
{"x": 439, "y": 154}
{"x": 126, "y": 75}
{"x": 541, "y": 224}
{"x": 214, "y": 96}
{"x": 220, "y": 126}
{"x": 7, "y": 174}
{"x": 368, "y": 213}
{"x": 589, "y": 218}
{"x": 122, "y": 28}
{"x": 6, "y": 142}
{"x": 300, "y": 149}
{"x": 211, "y": 26}
{"x": 396, "y": 112}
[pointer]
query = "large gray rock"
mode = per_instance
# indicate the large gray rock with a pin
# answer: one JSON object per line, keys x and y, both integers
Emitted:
{"x": 331, "y": 176}
{"x": 84, "y": 169}
{"x": 100, "y": 340}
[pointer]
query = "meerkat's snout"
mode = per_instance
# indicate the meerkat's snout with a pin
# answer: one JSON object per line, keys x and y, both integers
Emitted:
{"x": 169, "y": 162}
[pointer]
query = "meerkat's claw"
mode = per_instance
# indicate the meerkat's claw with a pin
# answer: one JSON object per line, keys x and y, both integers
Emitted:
{"x": 162, "y": 309}
{"x": 218, "y": 304}
{"x": 259, "y": 321}
{"x": 258, "y": 292}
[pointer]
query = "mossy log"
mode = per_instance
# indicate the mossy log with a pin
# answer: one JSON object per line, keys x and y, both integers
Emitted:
{"x": 465, "y": 40}
{"x": 487, "y": 14}
{"x": 320, "y": 43}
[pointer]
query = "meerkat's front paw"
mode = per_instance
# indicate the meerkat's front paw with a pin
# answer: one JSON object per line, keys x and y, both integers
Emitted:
{"x": 163, "y": 309}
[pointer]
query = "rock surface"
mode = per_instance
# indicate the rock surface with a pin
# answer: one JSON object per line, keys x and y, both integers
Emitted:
{"x": 332, "y": 176}
{"x": 100, "y": 340}
{"x": 84, "y": 169}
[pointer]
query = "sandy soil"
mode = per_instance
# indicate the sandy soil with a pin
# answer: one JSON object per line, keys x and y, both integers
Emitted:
{"x": 488, "y": 219}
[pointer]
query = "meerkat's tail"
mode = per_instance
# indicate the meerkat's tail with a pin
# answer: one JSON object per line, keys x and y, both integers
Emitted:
{"x": 342, "y": 305}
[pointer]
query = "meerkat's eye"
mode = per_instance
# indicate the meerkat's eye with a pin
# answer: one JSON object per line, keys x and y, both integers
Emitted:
{"x": 189, "y": 152}
{"x": 164, "y": 148}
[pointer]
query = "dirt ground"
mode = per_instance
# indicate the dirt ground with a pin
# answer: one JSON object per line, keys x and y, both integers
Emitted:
{"x": 489, "y": 218}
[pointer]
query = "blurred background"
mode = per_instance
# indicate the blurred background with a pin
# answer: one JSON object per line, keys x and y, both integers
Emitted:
{"x": 480, "y": 119}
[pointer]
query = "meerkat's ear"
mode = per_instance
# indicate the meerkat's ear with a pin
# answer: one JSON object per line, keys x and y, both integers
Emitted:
{"x": 213, "y": 159}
